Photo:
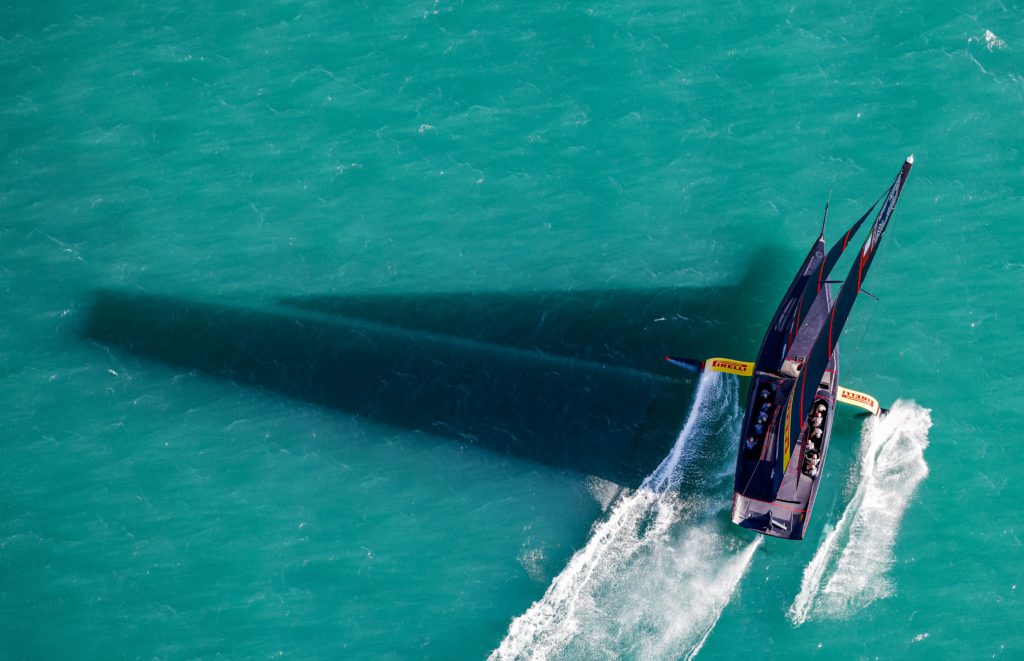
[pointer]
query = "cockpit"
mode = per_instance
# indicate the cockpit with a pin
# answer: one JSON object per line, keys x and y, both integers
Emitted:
{"x": 761, "y": 414}
{"x": 815, "y": 434}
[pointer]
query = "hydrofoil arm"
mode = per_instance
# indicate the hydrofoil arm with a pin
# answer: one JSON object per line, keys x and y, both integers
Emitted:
{"x": 727, "y": 365}
{"x": 744, "y": 368}
{"x": 860, "y": 400}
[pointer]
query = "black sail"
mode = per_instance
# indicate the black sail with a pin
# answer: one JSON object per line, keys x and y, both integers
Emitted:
{"x": 782, "y": 328}
{"x": 802, "y": 395}
{"x": 813, "y": 286}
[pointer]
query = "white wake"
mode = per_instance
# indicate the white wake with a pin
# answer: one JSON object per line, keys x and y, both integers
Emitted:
{"x": 849, "y": 569}
{"x": 656, "y": 572}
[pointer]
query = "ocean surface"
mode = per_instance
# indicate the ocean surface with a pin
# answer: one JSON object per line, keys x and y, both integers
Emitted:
{"x": 336, "y": 330}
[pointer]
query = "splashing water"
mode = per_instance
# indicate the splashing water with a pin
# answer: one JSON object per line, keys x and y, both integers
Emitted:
{"x": 848, "y": 571}
{"x": 656, "y": 572}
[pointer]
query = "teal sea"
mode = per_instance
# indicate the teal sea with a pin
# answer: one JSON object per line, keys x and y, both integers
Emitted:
{"x": 336, "y": 330}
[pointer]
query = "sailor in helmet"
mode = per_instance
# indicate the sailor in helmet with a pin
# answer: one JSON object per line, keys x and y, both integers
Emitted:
{"x": 811, "y": 463}
{"x": 813, "y": 439}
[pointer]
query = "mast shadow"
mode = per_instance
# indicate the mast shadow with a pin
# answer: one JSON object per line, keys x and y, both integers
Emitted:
{"x": 627, "y": 328}
{"x": 574, "y": 380}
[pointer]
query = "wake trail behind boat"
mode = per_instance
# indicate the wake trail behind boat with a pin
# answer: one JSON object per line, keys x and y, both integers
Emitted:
{"x": 644, "y": 585}
{"x": 848, "y": 571}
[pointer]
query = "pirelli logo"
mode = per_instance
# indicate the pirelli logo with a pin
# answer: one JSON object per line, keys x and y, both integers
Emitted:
{"x": 729, "y": 366}
{"x": 859, "y": 399}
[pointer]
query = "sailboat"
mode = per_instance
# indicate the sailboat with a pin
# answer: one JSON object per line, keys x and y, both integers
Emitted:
{"x": 795, "y": 384}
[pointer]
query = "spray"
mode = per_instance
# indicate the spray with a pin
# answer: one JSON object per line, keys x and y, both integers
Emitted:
{"x": 849, "y": 569}
{"x": 657, "y": 570}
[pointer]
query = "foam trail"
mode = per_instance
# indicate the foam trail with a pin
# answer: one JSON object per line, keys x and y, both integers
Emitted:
{"x": 731, "y": 579}
{"x": 644, "y": 585}
{"x": 848, "y": 571}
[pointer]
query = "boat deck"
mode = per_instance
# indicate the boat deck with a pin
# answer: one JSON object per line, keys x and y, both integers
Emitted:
{"x": 789, "y": 513}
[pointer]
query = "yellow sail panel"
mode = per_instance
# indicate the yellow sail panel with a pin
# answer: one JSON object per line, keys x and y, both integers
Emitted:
{"x": 729, "y": 366}
{"x": 859, "y": 399}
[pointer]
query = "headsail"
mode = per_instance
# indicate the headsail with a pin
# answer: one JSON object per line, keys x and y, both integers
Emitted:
{"x": 813, "y": 370}
{"x": 780, "y": 331}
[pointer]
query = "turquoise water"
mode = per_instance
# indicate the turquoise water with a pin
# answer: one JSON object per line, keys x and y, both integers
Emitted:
{"x": 333, "y": 330}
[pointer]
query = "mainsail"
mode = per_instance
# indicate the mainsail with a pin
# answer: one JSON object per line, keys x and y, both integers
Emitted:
{"x": 813, "y": 286}
{"x": 783, "y": 326}
{"x": 801, "y": 295}
{"x": 802, "y": 395}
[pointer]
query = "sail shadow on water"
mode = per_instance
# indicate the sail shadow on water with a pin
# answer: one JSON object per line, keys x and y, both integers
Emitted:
{"x": 573, "y": 380}
{"x": 631, "y": 328}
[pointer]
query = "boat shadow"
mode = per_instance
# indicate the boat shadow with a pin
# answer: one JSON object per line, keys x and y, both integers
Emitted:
{"x": 570, "y": 379}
